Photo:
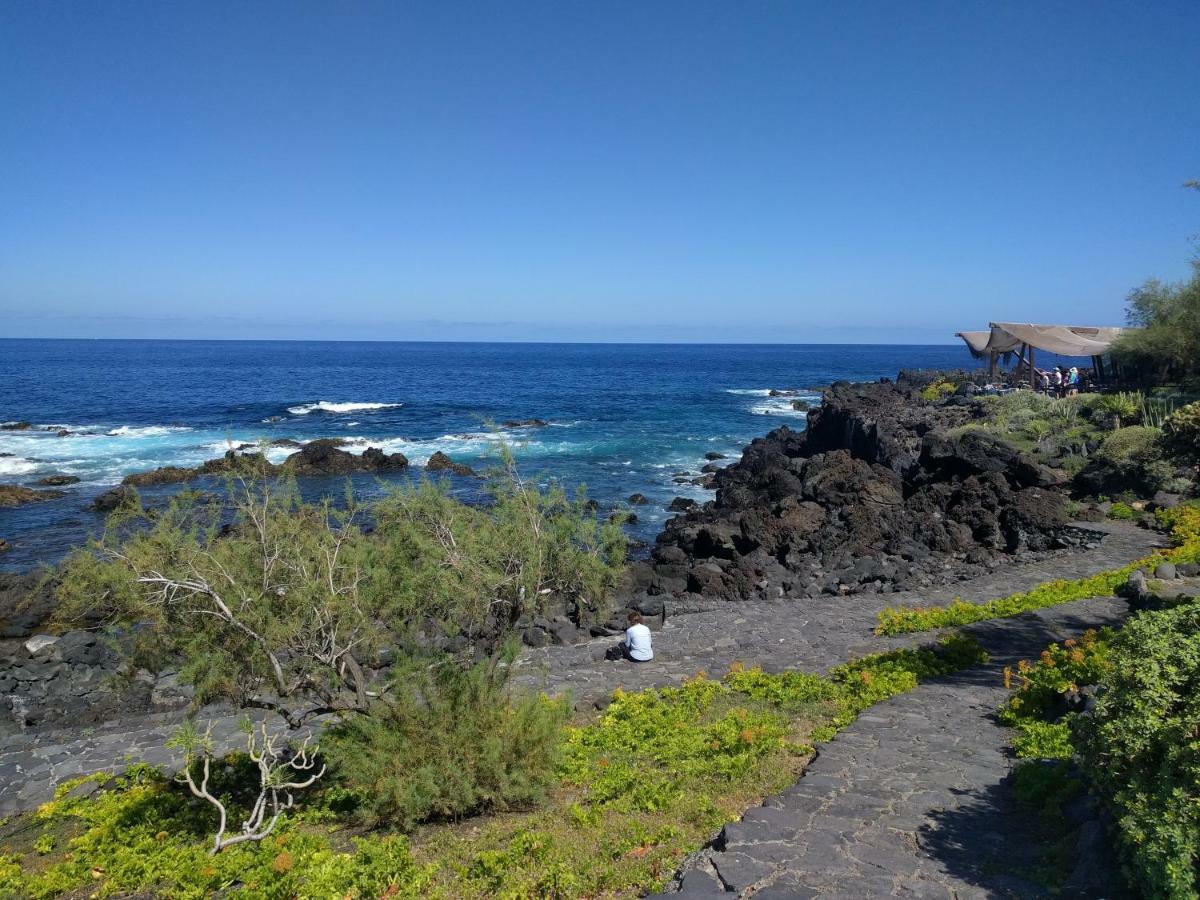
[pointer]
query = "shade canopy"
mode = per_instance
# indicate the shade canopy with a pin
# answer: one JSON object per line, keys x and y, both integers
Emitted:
{"x": 976, "y": 341}
{"x": 1065, "y": 340}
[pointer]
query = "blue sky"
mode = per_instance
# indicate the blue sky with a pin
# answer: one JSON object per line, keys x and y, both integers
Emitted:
{"x": 766, "y": 171}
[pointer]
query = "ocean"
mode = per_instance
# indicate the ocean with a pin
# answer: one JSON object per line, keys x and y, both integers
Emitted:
{"x": 622, "y": 418}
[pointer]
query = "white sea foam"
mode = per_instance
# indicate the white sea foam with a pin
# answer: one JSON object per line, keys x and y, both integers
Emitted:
{"x": 141, "y": 431}
{"x": 782, "y": 406}
{"x": 750, "y": 392}
{"x": 330, "y": 407}
{"x": 16, "y": 465}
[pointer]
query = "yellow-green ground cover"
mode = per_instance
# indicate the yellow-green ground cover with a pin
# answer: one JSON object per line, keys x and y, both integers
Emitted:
{"x": 646, "y": 782}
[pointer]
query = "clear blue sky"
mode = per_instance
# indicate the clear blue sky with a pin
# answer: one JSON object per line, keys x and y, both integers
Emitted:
{"x": 778, "y": 171}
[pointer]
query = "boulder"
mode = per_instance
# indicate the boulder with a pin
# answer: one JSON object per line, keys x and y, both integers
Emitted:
{"x": 161, "y": 475}
{"x": 440, "y": 462}
{"x": 58, "y": 480}
{"x": 16, "y": 426}
{"x": 638, "y": 500}
{"x": 111, "y": 499}
{"x": 524, "y": 423}
{"x": 681, "y": 504}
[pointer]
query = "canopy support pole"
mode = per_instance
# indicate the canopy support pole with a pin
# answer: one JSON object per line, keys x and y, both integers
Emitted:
{"x": 1032, "y": 371}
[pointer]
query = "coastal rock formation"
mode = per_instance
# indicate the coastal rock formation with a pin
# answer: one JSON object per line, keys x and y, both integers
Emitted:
{"x": 16, "y": 495}
{"x": 324, "y": 458}
{"x": 440, "y": 462}
{"x": 319, "y": 457}
{"x": 58, "y": 480}
{"x": 877, "y": 495}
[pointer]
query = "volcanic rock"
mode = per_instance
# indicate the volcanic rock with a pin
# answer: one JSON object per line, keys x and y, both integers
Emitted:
{"x": 15, "y": 495}
{"x": 15, "y": 426}
{"x": 524, "y": 423}
{"x": 877, "y": 494}
{"x": 162, "y": 475}
{"x": 440, "y": 462}
{"x": 111, "y": 499}
{"x": 58, "y": 480}
{"x": 638, "y": 500}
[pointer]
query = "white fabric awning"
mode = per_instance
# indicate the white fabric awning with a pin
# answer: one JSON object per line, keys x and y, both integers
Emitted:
{"x": 1065, "y": 340}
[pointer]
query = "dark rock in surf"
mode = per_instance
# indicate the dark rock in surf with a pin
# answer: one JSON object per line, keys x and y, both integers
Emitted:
{"x": 58, "y": 480}
{"x": 524, "y": 423}
{"x": 112, "y": 499}
{"x": 440, "y": 462}
{"x": 16, "y": 426}
{"x": 15, "y": 495}
{"x": 637, "y": 500}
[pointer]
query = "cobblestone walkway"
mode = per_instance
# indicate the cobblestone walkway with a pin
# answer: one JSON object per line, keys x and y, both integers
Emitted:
{"x": 909, "y": 800}
{"x": 812, "y": 635}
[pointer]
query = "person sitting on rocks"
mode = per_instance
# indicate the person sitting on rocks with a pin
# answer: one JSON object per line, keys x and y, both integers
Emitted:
{"x": 637, "y": 644}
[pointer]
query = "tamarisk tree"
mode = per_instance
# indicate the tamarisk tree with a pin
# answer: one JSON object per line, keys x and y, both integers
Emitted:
{"x": 270, "y": 610}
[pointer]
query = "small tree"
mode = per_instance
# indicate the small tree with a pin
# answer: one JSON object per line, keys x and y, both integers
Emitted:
{"x": 277, "y": 604}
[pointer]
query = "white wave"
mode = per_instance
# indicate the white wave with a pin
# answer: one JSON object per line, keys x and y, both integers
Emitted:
{"x": 750, "y": 392}
{"x": 15, "y": 465}
{"x": 331, "y": 407}
{"x": 782, "y": 406}
{"x": 136, "y": 431}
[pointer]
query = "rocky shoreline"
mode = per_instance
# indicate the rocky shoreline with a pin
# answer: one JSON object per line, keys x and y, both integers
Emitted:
{"x": 883, "y": 492}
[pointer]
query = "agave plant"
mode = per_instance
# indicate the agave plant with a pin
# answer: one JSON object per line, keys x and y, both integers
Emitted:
{"x": 1123, "y": 406}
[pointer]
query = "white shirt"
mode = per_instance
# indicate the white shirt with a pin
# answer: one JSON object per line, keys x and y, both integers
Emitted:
{"x": 637, "y": 639}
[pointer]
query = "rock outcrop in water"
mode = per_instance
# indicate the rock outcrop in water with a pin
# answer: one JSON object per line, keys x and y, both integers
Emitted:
{"x": 879, "y": 494}
{"x": 319, "y": 457}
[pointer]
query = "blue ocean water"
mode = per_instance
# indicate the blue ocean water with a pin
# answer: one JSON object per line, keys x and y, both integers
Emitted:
{"x": 624, "y": 418}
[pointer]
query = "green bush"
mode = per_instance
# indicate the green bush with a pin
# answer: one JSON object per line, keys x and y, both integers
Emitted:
{"x": 1122, "y": 511}
{"x": 1141, "y": 748}
{"x": 1046, "y": 786}
{"x": 1166, "y": 345}
{"x": 1133, "y": 446}
{"x": 278, "y": 608}
{"x": 1182, "y": 429}
{"x": 1120, "y": 407}
{"x": 448, "y": 742}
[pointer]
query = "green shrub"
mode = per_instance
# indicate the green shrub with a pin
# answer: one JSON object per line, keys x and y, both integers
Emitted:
{"x": 936, "y": 390}
{"x": 279, "y": 607}
{"x": 1046, "y": 786}
{"x": 1136, "y": 445}
{"x": 1122, "y": 511}
{"x": 448, "y": 742}
{"x": 1182, "y": 429}
{"x": 1120, "y": 407}
{"x": 1141, "y": 748}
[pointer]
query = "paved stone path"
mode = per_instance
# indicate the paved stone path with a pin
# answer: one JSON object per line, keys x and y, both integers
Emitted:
{"x": 910, "y": 799}
{"x": 812, "y": 635}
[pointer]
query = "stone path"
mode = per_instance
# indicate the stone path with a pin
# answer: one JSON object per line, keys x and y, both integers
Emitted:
{"x": 812, "y": 635}
{"x": 910, "y": 800}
